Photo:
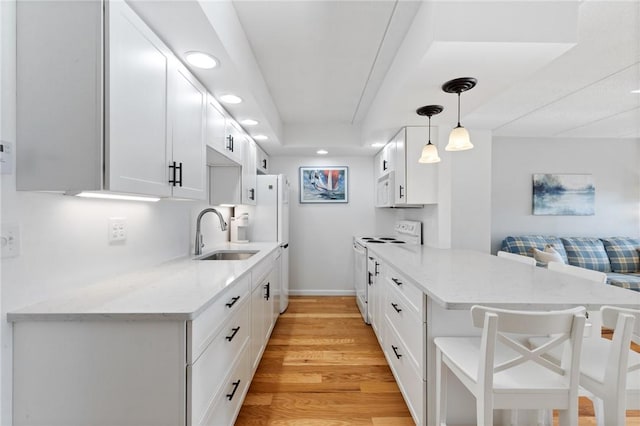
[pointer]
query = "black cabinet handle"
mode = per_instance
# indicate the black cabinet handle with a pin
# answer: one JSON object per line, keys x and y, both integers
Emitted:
{"x": 268, "y": 290}
{"x": 384, "y": 165}
{"x": 370, "y": 278}
{"x": 235, "y": 331}
{"x": 264, "y": 163}
{"x": 235, "y": 388}
{"x": 395, "y": 351}
{"x": 395, "y": 306}
{"x": 230, "y": 143}
{"x": 172, "y": 167}
{"x": 285, "y": 246}
{"x": 252, "y": 194}
{"x": 397, "y": 281}
{"x": 370, "y": 258}
{"x": 376, "y": 269}
{"x": 175, "y": 168}
{"x": 233, "y": 301}
{"x": 401, "y": 189}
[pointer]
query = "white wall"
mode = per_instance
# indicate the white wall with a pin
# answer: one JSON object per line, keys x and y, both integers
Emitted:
{"x": 614, "y": 164}
{"x": 320, "y": 242}
{"x": 64, "y": 239}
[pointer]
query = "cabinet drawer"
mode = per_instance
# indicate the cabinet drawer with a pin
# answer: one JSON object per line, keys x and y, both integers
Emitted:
{"x": 204, "y": 328}
{"x": 259, "y": 271}
{"x": 408, "y": 326}
{"x": 225, "y": 407}
{"x": 209, "y": 370}
{"x": 412, "y": 294}
{"x": 411, "y": 384}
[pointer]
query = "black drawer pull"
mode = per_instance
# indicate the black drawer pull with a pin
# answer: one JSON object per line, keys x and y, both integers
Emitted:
{"x": 233, "y": 301}
{"x": 397, "y": 281}
{"x": 395, "y": 306}
{"x": 235, "y": 388}
{"x": 267, "y": 288}
{"x": 235, "y": 331}
{"x": 395, "y": 351}
{"x": 370, "y": 279}
{"x": 375, "y": 271}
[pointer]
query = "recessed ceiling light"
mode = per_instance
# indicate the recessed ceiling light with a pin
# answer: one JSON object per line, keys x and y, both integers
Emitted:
{"x": 201, "y": 60}
{"x": 322, "y": 152}
{"x": 635, "y": 91}
{"x": 378, "y": 144}
{"x": 230, "y": 99}
{"x": 249, "y": 122}
{"x": 260, "y": 137}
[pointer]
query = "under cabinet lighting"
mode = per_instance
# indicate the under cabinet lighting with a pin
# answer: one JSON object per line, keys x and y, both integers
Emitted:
{"x": 378, "y": 145}
{"x": 201, "y": 60}
{"x": 635, "y": 91}
{"x": 260, "y": 137}
{"x": 249, "y": 122}
{"x": 322, "y": 152}
{"x": 230, "y": 99}
{"x": 122, "y": 197}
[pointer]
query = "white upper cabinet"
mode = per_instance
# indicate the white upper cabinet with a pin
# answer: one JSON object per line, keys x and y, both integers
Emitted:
{"x": 249, "y": 174}
{"x": 222, "y": 136}
{"x": 73, "y": 135}
{"x": 415, "y": 183}
{"x": 187, "y": 108}
{"x": 405, "y": 182}
{"x": 262, "y": 161}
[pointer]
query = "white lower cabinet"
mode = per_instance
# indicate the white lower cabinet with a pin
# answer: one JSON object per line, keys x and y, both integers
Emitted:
{"x": 146, "y": 372}
{"x": 399, "y": 323}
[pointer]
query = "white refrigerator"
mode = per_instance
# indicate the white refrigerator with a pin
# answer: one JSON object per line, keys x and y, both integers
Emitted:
{"x": 269, "y": 221}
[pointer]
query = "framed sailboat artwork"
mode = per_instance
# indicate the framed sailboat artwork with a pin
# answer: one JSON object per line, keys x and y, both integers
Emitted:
{"x": 326, "y": 184}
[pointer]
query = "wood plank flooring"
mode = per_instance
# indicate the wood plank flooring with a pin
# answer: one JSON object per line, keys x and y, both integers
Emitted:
{"x": 323, "y": 366}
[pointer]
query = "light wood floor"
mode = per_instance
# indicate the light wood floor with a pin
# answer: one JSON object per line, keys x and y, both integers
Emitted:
{"x": 323, "y": 366}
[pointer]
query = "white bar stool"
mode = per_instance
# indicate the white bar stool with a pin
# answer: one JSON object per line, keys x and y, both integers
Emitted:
{"x": 502, "y": 373}
{"x": 518, "y": 258}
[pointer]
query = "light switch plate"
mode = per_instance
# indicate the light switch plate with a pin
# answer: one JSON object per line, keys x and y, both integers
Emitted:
{"x": 117, "y": 229}
{"x": 10, "y": 240}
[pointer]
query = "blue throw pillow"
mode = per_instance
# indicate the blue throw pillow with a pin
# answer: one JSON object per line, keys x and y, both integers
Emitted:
{"x": 587, "y": 253}
{"x": 623, "y": 254}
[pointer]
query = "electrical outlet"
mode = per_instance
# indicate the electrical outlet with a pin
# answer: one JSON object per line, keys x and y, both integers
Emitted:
{"x": 6, "y": 159}
{"x": 117, "y": 229}
{"x": 10, "y": 240}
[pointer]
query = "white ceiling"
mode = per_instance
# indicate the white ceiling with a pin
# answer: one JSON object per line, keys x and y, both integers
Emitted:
{"x": 342, "y": 74}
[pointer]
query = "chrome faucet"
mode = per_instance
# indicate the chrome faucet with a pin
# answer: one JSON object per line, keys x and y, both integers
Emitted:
{"x": 223, "y": 226}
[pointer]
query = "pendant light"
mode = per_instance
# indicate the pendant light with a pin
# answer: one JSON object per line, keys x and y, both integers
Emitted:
{"x": 429, "y": 151}
{"x": 459, "y": 137}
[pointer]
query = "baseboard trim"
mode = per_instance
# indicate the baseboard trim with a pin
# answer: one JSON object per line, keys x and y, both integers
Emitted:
{"x": 299, "y": 292}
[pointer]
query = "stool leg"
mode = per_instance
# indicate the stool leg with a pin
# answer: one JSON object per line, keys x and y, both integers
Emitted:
{"x": 441, "y": 390}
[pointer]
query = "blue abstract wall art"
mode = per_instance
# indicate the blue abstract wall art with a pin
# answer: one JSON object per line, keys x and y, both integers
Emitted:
{"x": 563, "y": 194}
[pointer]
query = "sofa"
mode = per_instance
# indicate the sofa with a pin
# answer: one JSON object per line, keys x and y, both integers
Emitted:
{"x": 618, "y": 257}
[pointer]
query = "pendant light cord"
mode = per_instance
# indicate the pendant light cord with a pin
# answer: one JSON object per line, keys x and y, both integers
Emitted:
{"x": 429, "y": 130}
{"x": 459, "y": 109}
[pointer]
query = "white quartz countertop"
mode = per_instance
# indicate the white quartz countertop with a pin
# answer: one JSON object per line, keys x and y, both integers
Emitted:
{"x": 175, "y": 290}
{"x": 459, "y": 279}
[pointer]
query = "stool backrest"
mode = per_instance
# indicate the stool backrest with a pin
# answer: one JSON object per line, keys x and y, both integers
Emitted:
{"x": 517, "y": 257}
{"x": 564, "y": 327}
{"x": 626, "y": 326}
{"x": 576, "y": 271}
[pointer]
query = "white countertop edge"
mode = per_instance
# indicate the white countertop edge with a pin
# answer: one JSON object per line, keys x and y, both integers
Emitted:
{"x": 57, "y": 309}
{"x": 418, "y": 265}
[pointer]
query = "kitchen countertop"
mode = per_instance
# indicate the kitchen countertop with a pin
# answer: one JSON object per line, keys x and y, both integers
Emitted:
{"x": 459, "y": 279}
{"x": 175, "y": 290}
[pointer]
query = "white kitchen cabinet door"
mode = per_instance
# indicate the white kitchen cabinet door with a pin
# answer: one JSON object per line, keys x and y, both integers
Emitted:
{"x": 249, "y": 174}
{"x": 187, "y": 173}
{"x": 259, "y": 315}
{"x": 262, "y": 161}
{"x": 138, "y": 148}
{"x": 233, "y": 141}
{"x": 220, "y": 135}
{"x": 400, "y": 191}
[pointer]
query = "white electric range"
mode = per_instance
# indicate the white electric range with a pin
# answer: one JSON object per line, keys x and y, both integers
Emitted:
{"x": 405, "y": 232}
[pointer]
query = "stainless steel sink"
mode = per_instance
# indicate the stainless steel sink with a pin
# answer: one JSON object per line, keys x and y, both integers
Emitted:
{"x": 228, "y": 255}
